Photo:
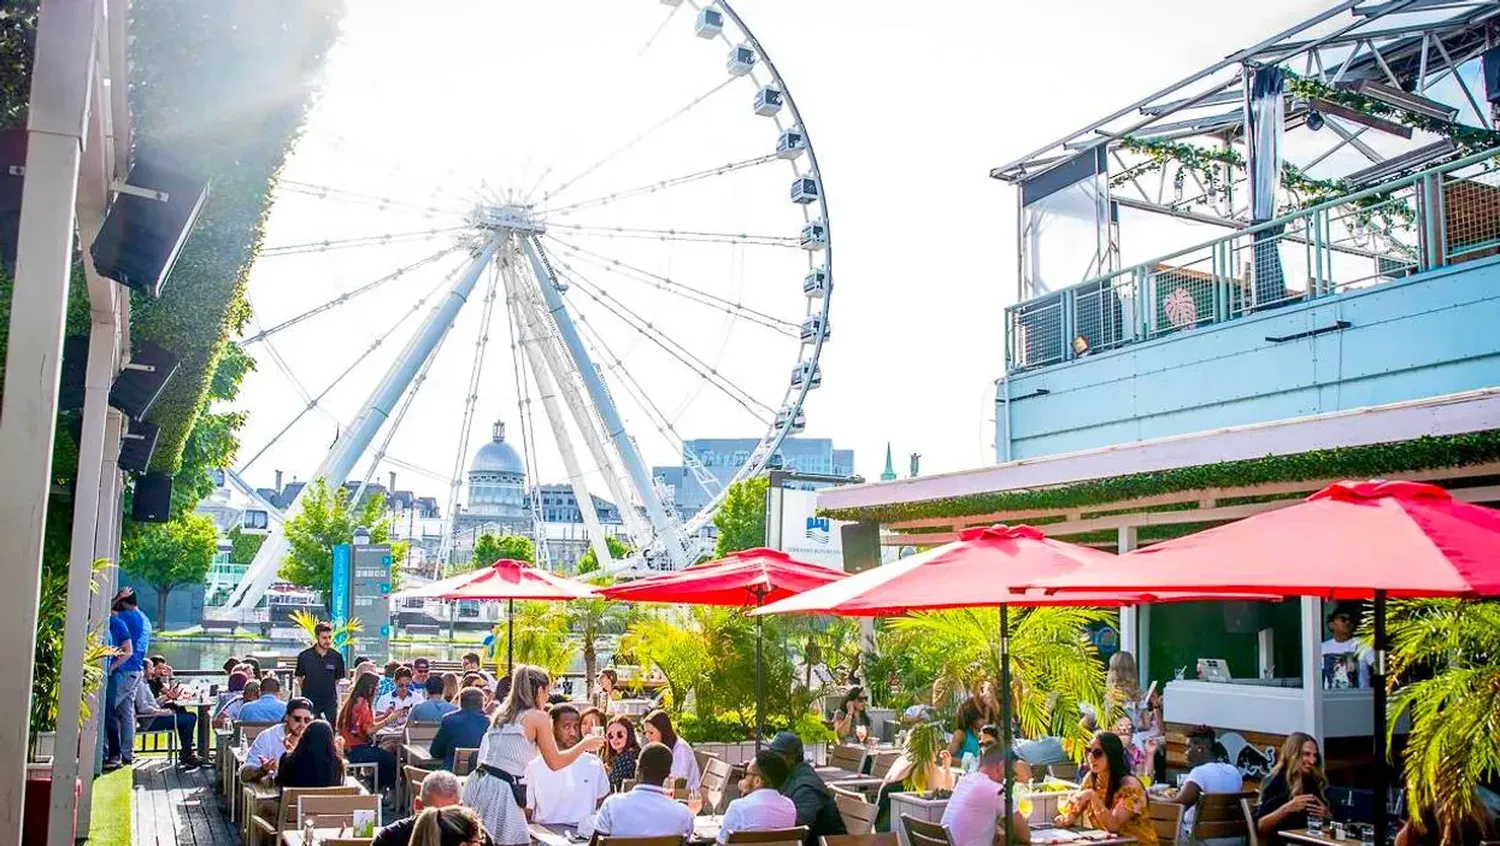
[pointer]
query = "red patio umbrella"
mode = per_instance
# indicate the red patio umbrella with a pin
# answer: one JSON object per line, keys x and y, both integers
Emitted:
{"x": 986, "y": 567}
{"x": 751, "y": 576}
{"x": 1351, "y": 540}
{"x": 510, "y": 580}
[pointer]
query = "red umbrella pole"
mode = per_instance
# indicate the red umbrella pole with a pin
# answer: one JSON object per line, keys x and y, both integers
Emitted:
{"x": 760, "y": 723}
{"x": 510, "y": 638}
{"x": 1005, "y": 738}
{"x": 1377, "y": 681}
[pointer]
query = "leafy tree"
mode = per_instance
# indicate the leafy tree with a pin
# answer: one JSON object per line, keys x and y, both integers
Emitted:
{"x": 486, "y": 551}
{"x": 327, "y": 519}
{"x": 1452, "y": 646}
{"x": 618, "y": 549}
{"x": 490, "y": 548}
{"x": 541, "y": 637}
{"x": 1053, "y": 666}
{"x": 741, "y": 518}
{"x": 177, "y": 552}
{"x": 245, "y": 545}
{"x": 591, "y": 619}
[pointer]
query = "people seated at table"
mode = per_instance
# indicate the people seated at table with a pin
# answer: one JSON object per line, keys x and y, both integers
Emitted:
{"x": 761, "y": 807}
{"x": 471, "y": 665}
{"x": 314, "y": 759}
{"x": 648, "y": 809}
{"x": 157, "y": 709}
{"x": 268, "y": 707}
{"x": 451, "y": 687}
{"x": 571, "y": 794}
{"x": 521, "y": 730}
{"x": 1295, "y": 788}
{"x": 938, "y": 776}
{"x": 621, "y": 750}
{"x": 852, "y": 713}
{"x": 264, "y": 755}
{"x": 1111, "y": 799}
{"x": 977, "y": 711}
{"x": 589, "y": 719}
{"x": 358, "y": 725}
{"x": 388, "y": 679}
{"x": 440, "y": 789}
{"x": 977, "y": 805}
{"x": 231, "y": 712}
{"x": 401, "y": 697}
{"x": 235, "y": 693}
{"x": 1206, "y": 775}
{"x": 461, "y": 729}
{"x": 433, "y": 707}
{"x": 421, "y": 670}
{"x": 816, "y": 807}
{"x": 1346, "y": 661}
{"x": 658, "y": 729}
{"x": 604, "y": 689}
{"x": 230, "y": 663}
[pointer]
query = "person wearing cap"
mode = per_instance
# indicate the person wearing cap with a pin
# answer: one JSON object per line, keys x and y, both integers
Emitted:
{"x": 1342, "y": 653}
{"x": 126, "y": 672}
{"x": 816, "y": 807}
{"x": 421, "y": 668}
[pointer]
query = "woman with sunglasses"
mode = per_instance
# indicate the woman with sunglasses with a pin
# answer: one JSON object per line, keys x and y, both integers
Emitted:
{"x": 1112, "y": 799}
{"x": 621, "y": 750}
{"x": 851, "y": 715}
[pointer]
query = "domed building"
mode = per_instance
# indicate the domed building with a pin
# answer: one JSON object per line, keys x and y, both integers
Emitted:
{"x": 496, "y": 495}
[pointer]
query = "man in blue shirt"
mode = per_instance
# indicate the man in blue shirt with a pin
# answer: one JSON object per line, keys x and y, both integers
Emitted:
{"x": 462, "y": 729}
{"x": 268, "y": 708}
{"x": 125, "y": 671}
{"x": 434, "y": 708}
{"x": 119, "y": 638}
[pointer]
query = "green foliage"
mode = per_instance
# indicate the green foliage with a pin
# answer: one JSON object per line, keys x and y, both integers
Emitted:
{"x": 618, "y": 550}
{"x": 591, "y": 619}
{"x": 52, "y": 615}
{"x": 541, "y": 631}
{"x": 177, "y": 552}
{"x": 1468, "y": 139}
{"x": 1452, "y": 647}
{"x": 244, "y": 546}
{"x": 225, "y": 88}
{"x": 491, "y": 548}
{"x": 1361, "y": 462}
{"x": 327, "y": 519}
{"x": 343, "y": 633}
{"x": 741, "y": 519}
{"x": 924, "y": 742}
{"x": 1053, "y": 665}
{"x": 17, "y": 50}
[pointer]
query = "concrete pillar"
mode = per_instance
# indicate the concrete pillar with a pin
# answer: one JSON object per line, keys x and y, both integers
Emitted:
{"x": 1130, "y": 618}
{"x": 58, "y": 114}
{"x": 1312, "y": 667}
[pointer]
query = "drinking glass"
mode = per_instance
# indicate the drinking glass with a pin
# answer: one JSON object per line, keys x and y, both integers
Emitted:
{"x": 861, "y": 733}
{"x": 1314, "y": 823}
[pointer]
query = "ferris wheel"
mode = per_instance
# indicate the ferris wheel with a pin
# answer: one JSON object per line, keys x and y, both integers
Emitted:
{"x": 628, "y": 201}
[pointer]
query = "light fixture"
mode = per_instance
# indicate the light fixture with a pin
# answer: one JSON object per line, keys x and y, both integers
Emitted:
{"x": 1404, "y": 162}
{"x": 1359, "y": 117}
{"x": 1392, "y": 96}
{"x": 1080, "y": 346}
{"x": 1314, "y": 121}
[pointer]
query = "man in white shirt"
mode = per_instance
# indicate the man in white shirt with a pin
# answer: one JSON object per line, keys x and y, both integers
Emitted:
{"x": 761, "y": 807}
{"x": 1207, "y": 775}
{"x": 570, "y": 795}
{"x": 978, "y": 803}
{"x": 268, "y": 746}
{"x": 402, "y": 696}
{"x": 1342, "y": 653}
{"x": 648, "y": 810}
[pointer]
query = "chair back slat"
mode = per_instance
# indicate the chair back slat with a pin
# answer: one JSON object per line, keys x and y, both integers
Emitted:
{"x": 859, "y": 815}
{"x": 330, "y": 811}
{"x": 769, "y": 835}
{"x": 669, "y": 840}
{"x": 464, "y": 761}
{"x": 1247, "y": 810}
{"x": 291, "y": 797}
{"x": 883, "y": 763}
{"x": 846, "y": 757}
{"x": 1166, "y": 818}
{"x": 346, "y": 841}
{"x": 879, "y": 838}
{"x": 924, "y": 833}
{"x": 1219, "y": 815}
{"x": 421, "y": 734}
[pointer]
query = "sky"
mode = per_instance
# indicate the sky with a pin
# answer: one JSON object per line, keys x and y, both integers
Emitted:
{"x": 908, "y": 108}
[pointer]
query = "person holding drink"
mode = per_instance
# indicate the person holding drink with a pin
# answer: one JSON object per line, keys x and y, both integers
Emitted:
{"x": 1295, "y": 794}
{"x": 1112, "y": 799}
{"x": 852, "y": 720}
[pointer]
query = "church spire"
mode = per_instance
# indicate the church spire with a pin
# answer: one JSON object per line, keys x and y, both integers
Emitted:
{"x": 889, "y": 473}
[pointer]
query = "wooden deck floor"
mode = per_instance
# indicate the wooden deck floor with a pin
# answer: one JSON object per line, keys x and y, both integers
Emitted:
{"x": 170, "y": 807}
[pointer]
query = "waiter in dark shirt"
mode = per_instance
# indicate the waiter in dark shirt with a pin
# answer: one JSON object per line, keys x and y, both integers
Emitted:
{"x": 319, "y": 667}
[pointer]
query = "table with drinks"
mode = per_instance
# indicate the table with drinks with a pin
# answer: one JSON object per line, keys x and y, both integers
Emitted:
{"x": 1334, "y": 832}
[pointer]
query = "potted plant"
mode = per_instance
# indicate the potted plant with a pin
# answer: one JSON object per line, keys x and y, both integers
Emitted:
{"x": 925, "y": 741}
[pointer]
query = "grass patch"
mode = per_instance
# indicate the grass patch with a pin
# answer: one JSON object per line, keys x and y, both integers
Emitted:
{"x": 109, "y": 822}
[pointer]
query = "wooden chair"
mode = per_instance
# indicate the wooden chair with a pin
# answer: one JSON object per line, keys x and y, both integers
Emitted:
{"x": 464, "y": 761}
{"x": 883, "y": 763}
{"x": 859, "y": 815}
{"x": 770, "y": 835}
{"x": 1247, "y": 810}
{"x": 155, "y": 740}
{"x": 716, "y": 785}
{"x": 412, "y": 779}
{"x": 846, "y": 757}
{"x": 669, "y": 840}
{"x": 1166, "y": 818}
{"x": 924, "y": 833}
{"x": 286, "y": 812}
{"x": 346, "y": 841}
{"x": 330, "y": 811}
{"x": 1220, "y": 815}
{"x": 628, "y": 785}
{"x": 369, "y": 770}
{"x": 881, "y": 838}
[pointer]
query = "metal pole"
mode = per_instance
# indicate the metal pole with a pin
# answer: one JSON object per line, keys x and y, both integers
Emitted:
{"x": 614, "y": 426}
{"x": 356, "y": 438}
{"x": 1005, "y": 734}
{"x": 60, "y": 93}
{"x": 510, "y": 639}
{"x": 106, "y": 545}
{"x": 760, "y": 723}
{"x": 1377, "y": 682}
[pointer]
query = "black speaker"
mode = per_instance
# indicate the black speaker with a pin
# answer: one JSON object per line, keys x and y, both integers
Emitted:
{"x": 153, "y": 498}
{"x": 75, "y": 366}
{"x": 142, "y": 380}
{"x": 137, "y": 445}
{"x": 861, "y": 542}
{"x": 142, "y": 235}
{"x": 1490, "y": 62}
{"x": 12, "y": 177}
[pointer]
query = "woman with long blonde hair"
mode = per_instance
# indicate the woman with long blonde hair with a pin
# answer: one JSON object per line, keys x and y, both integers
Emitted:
{"x": 1295, "y": 788}
{"x": 453, "y": 825}
{"x": 451, "y": 687}
{"x": 520, "y": 731}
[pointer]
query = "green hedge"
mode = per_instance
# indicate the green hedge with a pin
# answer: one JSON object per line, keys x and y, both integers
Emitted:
{"x": 1362, "y": 462}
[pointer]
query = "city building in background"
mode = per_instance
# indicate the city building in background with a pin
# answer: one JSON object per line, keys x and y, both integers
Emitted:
{"x": 721, "y": 458}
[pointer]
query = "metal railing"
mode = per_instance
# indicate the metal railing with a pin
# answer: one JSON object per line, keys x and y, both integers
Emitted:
{"x": 1438, "y": 217}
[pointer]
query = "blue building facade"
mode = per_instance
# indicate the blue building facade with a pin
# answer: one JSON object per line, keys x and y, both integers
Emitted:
{"x": 723, "y": 457}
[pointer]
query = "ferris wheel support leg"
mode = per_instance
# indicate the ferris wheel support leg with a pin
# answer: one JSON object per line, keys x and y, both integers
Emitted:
{"x": 640, "y": 479}
{"x": 356, "y": 438}
{"x": 548, "y": 391}
{"x": 557, "y": 361}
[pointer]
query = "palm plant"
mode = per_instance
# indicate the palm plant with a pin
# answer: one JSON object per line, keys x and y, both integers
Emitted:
{"x": 1453, "y": 647}
{"x": 541, "y": 633}
{"x": 343, "y": 633}
{"x": 680, "y": 652}
{"x": 593, "y": 618}
{"x": 924, "y": 742}
{"x": 1053, "y": 665}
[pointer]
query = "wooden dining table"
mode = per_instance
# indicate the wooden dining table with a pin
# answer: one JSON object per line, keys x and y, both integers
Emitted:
{"x": 1302, "y": 835}
{"x": 705, "y": 830}
{"x": 1048, "y": 834}
{"x": 294, "y": 838}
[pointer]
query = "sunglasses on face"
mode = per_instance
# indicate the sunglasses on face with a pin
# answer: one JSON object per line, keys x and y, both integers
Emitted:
{"x": 1096, "y": 752}
{"x": 617, "y": 735}
{"x": 296, "y": 719}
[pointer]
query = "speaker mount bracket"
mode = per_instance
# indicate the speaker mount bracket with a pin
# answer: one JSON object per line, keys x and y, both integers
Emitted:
{"x": 122, "y": 187}
{"x": 144, "y": 368}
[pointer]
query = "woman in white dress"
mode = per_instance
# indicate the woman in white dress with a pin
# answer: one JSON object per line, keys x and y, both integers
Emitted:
{"x": 658, "y": 728}
{"x": 520, "y": 731}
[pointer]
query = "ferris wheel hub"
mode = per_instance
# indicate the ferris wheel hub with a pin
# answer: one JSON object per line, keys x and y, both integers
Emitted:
{"x": 512, "y": 217}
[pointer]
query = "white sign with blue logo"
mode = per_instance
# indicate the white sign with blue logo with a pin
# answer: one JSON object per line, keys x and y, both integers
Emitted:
{"x": 806, "y": 536}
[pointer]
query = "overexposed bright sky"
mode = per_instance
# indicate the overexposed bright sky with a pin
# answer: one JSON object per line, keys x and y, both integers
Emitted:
{"x": 908, "y": 106}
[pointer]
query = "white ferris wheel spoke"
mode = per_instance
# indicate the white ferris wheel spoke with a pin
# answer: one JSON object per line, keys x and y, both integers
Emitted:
{"x": 661, "y": 185}
{"x": 363, "y": 241}
{"x": 328, "y": 192}
{"x": 687, "y": 235}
